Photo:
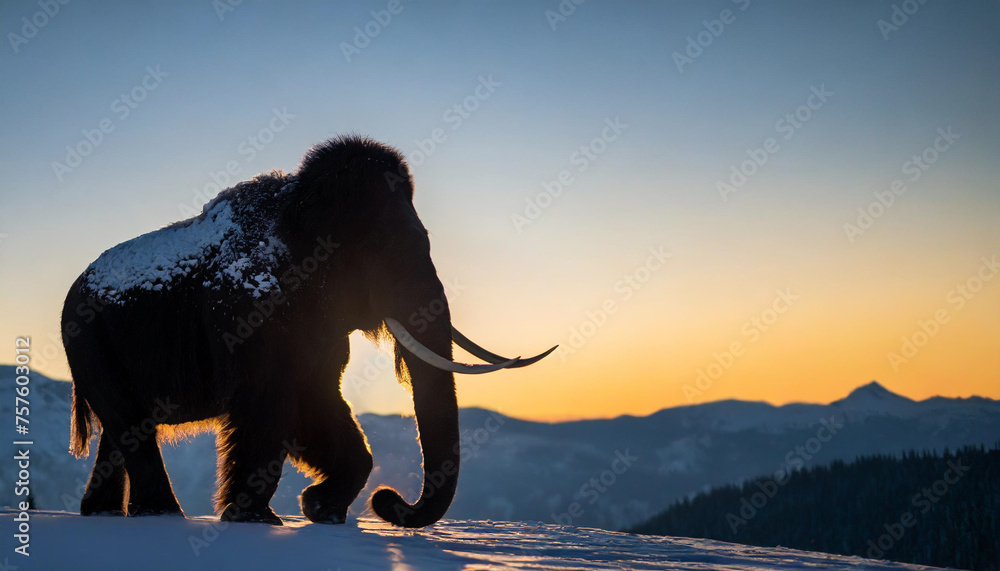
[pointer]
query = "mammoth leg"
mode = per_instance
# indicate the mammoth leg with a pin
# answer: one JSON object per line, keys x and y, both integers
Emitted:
{"x": 333, "y": 449}
{"x": 149, "y": 491}
{"x": 251, "y": 456}
{"x": 105, "y": 493}
{"x": 336, "y": 455}
{"x": 134, "y": 437}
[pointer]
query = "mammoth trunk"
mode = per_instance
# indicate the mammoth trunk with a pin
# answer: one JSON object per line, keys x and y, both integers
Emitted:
{"x": 436, "y": 408}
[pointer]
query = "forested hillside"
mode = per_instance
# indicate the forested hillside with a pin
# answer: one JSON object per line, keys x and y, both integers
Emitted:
{"x": 925, "y": 508}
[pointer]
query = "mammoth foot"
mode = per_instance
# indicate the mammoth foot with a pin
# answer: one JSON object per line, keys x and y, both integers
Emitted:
{"x": 101, "y": 506}
{"x": 250, "y": 515}
{"x": 143, "y": 512}
{"x": 107, "y": 513}
{"x": 320, "y": 508}
{"x": 155, "y": 508}
{"x": 103, "y": 502}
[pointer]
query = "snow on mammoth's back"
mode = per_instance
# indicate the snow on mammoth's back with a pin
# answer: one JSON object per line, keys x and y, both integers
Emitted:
{"x": 232, "y": 243}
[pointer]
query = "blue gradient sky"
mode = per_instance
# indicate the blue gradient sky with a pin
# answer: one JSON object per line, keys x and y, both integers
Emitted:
{"x": 654, "y": 186}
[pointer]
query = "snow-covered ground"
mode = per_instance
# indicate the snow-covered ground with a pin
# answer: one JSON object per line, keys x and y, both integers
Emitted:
{"x": 61, "y": 540}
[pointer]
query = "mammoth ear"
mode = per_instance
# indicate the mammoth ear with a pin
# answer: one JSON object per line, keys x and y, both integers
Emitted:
{"x": 344, "y": 185}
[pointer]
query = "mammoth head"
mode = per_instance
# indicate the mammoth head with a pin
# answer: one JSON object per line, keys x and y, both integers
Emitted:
{"x": 361, "y": 192}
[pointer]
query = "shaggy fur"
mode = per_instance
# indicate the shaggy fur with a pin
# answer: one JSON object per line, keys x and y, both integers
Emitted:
{"x": 247, "y": 335}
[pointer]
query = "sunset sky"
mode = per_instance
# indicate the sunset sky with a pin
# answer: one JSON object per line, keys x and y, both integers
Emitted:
{"x": 665, "y": 252}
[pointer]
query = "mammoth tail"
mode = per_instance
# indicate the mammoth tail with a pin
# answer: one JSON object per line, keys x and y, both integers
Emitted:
{"x": 79, "y": 433}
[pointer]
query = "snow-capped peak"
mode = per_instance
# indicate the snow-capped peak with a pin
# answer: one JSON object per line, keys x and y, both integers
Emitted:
{"x": 873, "y": 397}
{"x": 874, "y": 390}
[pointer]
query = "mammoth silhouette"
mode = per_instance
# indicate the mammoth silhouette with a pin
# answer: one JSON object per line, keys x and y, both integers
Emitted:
{"x": 237, "y": 319}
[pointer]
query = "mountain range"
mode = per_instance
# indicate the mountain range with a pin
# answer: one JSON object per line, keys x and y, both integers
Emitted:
{"x": 608, "y": 473}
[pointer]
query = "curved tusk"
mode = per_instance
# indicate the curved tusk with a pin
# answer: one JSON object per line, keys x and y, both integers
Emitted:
{"x": 467, "y": 344}
{"x": 430, "y": 357}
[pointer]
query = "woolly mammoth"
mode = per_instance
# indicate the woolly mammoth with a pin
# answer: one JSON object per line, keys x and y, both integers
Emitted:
{"x": 238, "y": 319}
